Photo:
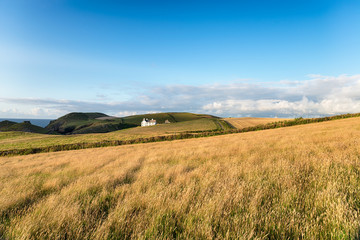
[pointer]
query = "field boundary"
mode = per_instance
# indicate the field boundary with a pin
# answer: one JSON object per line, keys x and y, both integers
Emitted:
{"x": 183, "y": 135}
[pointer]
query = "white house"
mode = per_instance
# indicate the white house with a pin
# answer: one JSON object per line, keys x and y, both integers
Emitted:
{"x": 146, "y": 122}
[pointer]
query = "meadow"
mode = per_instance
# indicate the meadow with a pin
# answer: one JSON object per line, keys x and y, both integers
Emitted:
{"x": 245, "y": 122}
{"x": 300, "y": 182}
{"x": 23, "y": 140}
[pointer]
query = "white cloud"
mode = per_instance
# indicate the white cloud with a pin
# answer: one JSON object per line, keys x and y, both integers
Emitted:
{"x": 125, "y": 113}
{"x": 37, "y": 111}
{"x": 317, "y": 96}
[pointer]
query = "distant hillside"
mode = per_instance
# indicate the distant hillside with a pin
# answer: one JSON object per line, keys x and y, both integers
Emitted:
{"x": 162, "y": 117}
{"x": 23, "y": 127}
{"x": 79, "y": 123}
{"x": 6, "y": 124}
{"x": 245, "y": 122}
{"x": 78, "y": 116}
{"x": 76, "y": 123}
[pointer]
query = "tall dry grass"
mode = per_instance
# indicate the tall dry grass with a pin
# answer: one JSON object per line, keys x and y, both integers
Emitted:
{"x": 245, "y": 122}
{"x": 288, "y": 183}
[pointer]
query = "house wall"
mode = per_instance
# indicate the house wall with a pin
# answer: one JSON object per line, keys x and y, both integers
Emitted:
{"x": 145, "y": 124}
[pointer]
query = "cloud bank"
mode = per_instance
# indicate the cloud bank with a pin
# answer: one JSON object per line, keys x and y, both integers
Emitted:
{"x": 317, "y": 96}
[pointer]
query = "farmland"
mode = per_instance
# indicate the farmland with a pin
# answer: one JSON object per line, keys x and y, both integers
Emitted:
{"x": 20, "y": 140}
{"x": 83, "y": 123}
{"x": 287, "y": 183}
{"x": 250, "y": 122}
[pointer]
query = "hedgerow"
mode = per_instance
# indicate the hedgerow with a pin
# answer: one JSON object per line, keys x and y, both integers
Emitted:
{"x": 183, "y": 135}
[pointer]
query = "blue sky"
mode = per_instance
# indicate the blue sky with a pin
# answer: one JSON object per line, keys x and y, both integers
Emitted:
{"x": 228, "y": 58}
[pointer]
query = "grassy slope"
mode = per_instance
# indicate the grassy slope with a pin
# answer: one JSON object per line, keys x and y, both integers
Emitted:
{"x": 85, "y": 123}
{"x": 16, "y": 140}
{"x": 79, "y": 123}
{"x": 22, "y": 127}
{"x": 250, "y": 122}
{"x": 6, "y": 124}
{"x": 295, "y": 182}
{"x": 161, "y": 117}
{"x": 193, "y": 125}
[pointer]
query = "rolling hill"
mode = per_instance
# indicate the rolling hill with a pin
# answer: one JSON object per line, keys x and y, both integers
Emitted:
{"x": 299, "y": 182}
{"x": 80, "y": 123}
{"x": 172, "y": 117}
{"x": 73, "y": 123}
{"x": 22, "y": 140}
{"x": 6, "y": 124}
{"x": 26, "y": 126}
{"x": 20, "y": 143}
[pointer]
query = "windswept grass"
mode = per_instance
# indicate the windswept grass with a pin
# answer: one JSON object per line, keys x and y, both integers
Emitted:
{"x": 287, "y": 183}
{"x": 245, "y": 122}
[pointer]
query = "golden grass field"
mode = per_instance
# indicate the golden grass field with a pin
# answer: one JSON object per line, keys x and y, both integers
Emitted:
{"x": 245, "y": 122}
{"x": 300, "y": 182}
{"x": 20, "y": 140}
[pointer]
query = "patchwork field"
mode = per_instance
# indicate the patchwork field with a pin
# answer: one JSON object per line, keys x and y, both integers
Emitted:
{"x": 286, "y": 183}
{"x": 250, "y": 122}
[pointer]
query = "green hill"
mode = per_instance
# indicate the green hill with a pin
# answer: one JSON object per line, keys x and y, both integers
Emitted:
{"x": 162, "y": 117}
{"x": 6, "y": 124}
{"x": 74, "y": 117}
{"x": 76, "y": 123}
{"x": 26, "y": 126}
{"x": 80, "y": 123}
{"x": 72, "y": 121}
